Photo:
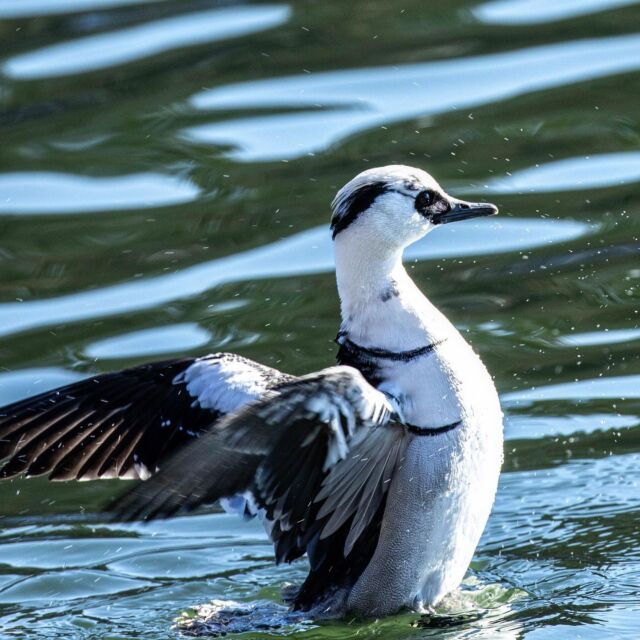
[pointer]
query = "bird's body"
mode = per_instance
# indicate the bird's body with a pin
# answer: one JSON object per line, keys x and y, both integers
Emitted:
{"x": 433, "y": 520}
{"x": 382, "y": 470}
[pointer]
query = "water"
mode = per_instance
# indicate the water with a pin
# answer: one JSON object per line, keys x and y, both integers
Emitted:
{"x": 165, "y": 174}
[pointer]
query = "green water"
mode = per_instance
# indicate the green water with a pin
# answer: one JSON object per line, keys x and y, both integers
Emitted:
{"x": 165, "y": 174}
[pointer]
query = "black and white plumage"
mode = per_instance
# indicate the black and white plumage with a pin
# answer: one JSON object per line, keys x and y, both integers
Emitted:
{"x": 382, "y": 470}
{"x": 121, "y": 425}
{"x": 316, "y": 454}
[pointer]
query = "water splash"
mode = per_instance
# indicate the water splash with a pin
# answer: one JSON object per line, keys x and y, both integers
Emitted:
{"x": 222, "y": 617}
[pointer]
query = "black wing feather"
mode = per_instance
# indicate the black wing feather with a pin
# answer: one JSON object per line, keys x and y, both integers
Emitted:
{"x": 103, "y": 426}
{"x": 284, "y": 448}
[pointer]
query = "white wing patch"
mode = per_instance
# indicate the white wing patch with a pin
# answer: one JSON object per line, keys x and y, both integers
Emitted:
{"x": 317, "y": 453}
{"x": 223, "y": 384}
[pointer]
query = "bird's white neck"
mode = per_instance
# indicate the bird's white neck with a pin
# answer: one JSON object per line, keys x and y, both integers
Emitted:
{"x": 381, "y": 305}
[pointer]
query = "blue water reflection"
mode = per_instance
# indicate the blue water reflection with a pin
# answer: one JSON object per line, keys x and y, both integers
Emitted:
{"x": 151, "y": 38}
{"x": 610, "y": 387}
{"x": 572, "y": 174}
{"x": 31, "y": 381}
{"x": 362, "y": 99}
{"x": 523, "y": 12}
{"x": 303, "y": 253}
{"x": 12, "y": 9}
{"x": 43, "y": 193}
{"x": 534, "y": 427}
{"x": 177, "y": 338}
{"x": 69, "y": 585}
{"x": 604, "y": 336}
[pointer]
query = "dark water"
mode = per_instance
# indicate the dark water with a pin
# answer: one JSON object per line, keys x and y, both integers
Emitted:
{"x": 165, "y": 173}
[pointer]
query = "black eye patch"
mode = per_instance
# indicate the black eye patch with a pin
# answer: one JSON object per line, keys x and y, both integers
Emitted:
{"x": 424, "y": 200}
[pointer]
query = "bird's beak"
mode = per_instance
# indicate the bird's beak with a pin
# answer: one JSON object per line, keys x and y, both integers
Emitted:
{"x": 461, "y": 210}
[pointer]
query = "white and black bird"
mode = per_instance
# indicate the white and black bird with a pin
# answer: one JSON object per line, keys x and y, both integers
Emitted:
{"x": 382, "y": 469}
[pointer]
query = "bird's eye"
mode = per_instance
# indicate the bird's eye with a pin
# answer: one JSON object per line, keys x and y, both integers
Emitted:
{"x": 424, "y": 200}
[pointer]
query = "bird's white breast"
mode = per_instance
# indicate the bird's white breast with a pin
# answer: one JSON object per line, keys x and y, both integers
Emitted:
{"x": 440, "y": 499}
{"x": 444, "y": 386}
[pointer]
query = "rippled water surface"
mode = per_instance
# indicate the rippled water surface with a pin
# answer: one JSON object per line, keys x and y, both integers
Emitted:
{"x": 165, "y": 174}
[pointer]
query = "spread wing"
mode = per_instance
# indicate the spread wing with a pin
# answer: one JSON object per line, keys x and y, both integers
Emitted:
{"x": 317, "y": 454}
{"x": 121, "y": 425}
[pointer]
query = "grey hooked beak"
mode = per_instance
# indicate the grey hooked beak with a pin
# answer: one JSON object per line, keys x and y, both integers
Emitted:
{"x": 461, "y": 210}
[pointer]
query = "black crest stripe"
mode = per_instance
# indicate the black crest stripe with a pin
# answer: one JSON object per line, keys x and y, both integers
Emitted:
{"x": 349, "y": 208}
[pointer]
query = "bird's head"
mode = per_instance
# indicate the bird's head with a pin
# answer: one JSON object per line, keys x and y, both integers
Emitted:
{"x": 396, "y": 205}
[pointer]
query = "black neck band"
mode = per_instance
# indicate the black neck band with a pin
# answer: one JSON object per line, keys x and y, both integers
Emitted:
{"x": 397, "y": 356}
{"x": 425, "y": 431}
